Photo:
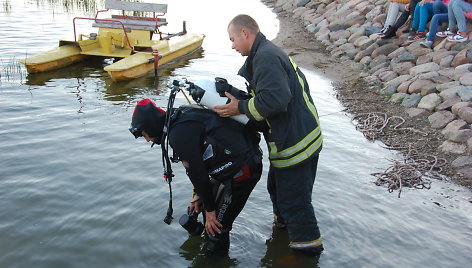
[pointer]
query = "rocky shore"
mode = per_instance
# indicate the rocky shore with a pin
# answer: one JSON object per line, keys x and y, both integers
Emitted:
{"x": 432, "y": 87}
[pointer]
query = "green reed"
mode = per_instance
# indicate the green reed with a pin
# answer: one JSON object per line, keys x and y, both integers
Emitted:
{"x": 7, "y": 6}
{"x": 11, "y": 70}
{"x": 88, "y": 6}
{"x": 85, "y": 6}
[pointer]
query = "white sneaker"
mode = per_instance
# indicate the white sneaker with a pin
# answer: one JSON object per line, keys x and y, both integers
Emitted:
{"x": 457, "y": 38}
{"x": 427, "y": 43}
{"x": 445, "y": 33}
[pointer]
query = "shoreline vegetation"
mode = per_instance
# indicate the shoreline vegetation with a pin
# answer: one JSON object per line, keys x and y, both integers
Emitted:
{"x": 416, "y": 100}
{"x": 86, "y": 6}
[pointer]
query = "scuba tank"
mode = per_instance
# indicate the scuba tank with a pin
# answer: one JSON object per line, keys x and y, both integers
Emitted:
{"x": 206, "y": 93}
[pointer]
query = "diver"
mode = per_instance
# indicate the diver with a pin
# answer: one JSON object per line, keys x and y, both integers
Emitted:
{"x": 222, "y": 159}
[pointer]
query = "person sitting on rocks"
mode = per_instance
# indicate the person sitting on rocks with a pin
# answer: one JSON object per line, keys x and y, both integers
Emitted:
{"x": 458, "y": 11}
{"x": 440, "y": 16}
{"x": 424, "y": 11}
{"x": 395, "y": 6}
{"x": 409, "y": 9}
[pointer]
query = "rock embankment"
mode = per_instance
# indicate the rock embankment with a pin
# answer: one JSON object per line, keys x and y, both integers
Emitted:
{"x": 431, "y": 83}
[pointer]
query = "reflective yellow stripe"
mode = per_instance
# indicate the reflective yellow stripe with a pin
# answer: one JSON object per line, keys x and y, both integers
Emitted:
{"x": 299, "y": 157}
{"x": 299, "y": 151}
{"x": 310, "y": 105}
{"x": 253, "y": 110}
{"x": 268, "y": 124}
{"x": 297, "y": 147}
{"x": 308, "y": 244}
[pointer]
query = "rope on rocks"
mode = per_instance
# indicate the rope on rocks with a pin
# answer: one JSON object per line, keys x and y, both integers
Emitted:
{"x": 414, "y": 171}
{"x": 372, "y": 125}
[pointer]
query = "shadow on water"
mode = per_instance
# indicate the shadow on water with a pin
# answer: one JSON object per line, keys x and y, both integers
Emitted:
{"x": 279, "y": 255}
{"x": 193, "y": 250}
{"x": 113, "y": 91}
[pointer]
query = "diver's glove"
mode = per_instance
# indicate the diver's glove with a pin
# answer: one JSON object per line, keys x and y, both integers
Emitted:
{"x": 223, "y": 86}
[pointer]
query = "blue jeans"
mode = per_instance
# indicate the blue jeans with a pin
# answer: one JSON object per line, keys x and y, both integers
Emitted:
{"x": 422, "y": 16}
{"x": 435, "y": 22}
{"x": 440, "y": 16}
{"x": 439, "y": 7}
{"x": 456, "y": 14}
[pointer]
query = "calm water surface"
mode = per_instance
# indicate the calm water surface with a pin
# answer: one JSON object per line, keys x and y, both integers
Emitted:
{"x": 77, "y": 190}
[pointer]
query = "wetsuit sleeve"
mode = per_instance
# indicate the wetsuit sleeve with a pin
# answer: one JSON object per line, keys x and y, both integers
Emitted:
{"x": 272, "y": 92}
{"x": 186, "y": 141}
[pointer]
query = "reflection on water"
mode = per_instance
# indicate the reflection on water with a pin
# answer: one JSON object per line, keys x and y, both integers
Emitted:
{"x": 81, "y": 69}
{"x": 120, "y": 91}
{"x": 126, "y": 90}
{"x": 193, "y": 250}
{"x": 279, "y": 255}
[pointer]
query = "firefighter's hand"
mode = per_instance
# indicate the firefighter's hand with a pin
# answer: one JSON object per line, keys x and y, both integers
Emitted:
{"x": 195, "y": 205}
{"x": 229, "y": 109}
{"x": 212, "y": 225}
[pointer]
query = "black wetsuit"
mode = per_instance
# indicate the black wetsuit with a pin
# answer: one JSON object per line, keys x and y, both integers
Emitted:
{"x": 208, "y": 144}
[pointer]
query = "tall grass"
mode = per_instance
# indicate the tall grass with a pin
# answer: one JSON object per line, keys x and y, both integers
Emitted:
{"x": 6, "y": 6}
{"x": 87, "y": 6}
{"x": 11, "y": 70}
{"x": 84, "y": 6}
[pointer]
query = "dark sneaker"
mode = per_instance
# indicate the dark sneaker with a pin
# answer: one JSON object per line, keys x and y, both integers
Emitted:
{"x": 419, "y": 36}
{"x": 389, "y": 33}
{"x": 411, "y": 35}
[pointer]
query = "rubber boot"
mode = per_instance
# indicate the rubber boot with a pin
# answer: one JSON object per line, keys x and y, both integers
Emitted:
{"x": 309, "y": 251}
{"x": 218, "y": 244}
{"x": 279, "y": 222}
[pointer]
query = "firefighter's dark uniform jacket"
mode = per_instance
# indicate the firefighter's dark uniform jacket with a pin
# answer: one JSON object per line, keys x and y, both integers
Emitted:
{"x": 211, "y": 145}
{"x": 281, "y": 98}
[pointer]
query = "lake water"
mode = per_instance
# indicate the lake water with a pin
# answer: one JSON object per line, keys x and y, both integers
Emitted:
{"x": 77, "y": 190}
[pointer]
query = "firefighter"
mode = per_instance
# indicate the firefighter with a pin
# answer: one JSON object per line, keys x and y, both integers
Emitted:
{"x": 282, "y": 99}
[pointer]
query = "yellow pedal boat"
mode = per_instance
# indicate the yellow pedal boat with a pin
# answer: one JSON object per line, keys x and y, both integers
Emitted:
{"x": 129, "y": 38}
